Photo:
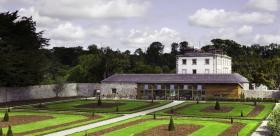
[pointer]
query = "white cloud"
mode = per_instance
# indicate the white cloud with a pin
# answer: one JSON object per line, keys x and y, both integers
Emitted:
{"x": 73, "y": 9}
{"x": 267, "y": 38}
{"x": 143, "y": 38}
{"x": 221, "y": 18}
{"x": 42, "y": 21}
{"x": 266, "y": 5}
{"x": 244, "y": 30}
{"x": 105, "y": 31}
{"x": 67, "y": 31}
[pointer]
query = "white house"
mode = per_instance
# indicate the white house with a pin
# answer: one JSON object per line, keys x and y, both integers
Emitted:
{"x": 203, "y": 63}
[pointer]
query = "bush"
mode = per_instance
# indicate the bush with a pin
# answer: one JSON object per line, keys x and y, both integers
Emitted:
{"x": 93, "y": 114}
{"x": 231, "y": 120}
{"x": 10, "y": 131}
{"x": 171, "y": 125}
{"x": 1, "y": 132}
{"x": 217, "y": 105}
{"x": 172, "y": 111}
{"x": 99, "y": 102}
{"x": 241, "y": 114}
{"x": 117, "y": 108}
{"x": 86, "y": 134}
{"x": 273, "y": 124}
{"x": 6, "y": 117}
{"x": 197, "y": 101}
{"x": 255, "y": 102}
{"x": 154, "y": 115}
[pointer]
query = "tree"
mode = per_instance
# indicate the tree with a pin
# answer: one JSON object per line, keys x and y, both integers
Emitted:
{"x": 154, "y": 115}
{"x": 174, "y": 48}
{"x": 217, "y": 105}
{"x": 184, "y": 47}
{"x": 154, "y": 52}
{"x": 6, "y": 117}
{"x": 171, "y": 125}
{"x": 231, "y": 120}
{"x": 241, "y": 114}
{"x": 21, "y": 57}
{"x": 58, "y": 87}
{"x": 10, "y": 131}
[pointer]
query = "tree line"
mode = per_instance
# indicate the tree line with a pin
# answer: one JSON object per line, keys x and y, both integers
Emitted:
{"x": 24, "y": 60}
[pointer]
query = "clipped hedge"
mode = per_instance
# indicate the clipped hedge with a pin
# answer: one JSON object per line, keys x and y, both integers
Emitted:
{"x": 274, "y": 123}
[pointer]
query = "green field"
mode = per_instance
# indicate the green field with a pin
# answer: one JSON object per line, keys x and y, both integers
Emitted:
{"x": 193, "y": 109}
{"x": 125, "y": 106}
{"x": 210, "y": 127}
{"x": 55, "y": 123}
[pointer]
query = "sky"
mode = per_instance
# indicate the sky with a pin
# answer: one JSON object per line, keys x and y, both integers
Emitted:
{"x": 132, "y": 24}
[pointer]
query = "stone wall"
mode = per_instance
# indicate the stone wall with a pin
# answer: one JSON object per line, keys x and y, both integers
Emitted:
{"x": 262, "y": 94}
{"x": 124, "y": 90}
{"x": 46, "y": 91}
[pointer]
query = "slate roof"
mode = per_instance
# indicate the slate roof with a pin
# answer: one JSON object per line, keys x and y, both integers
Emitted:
{"x": 177, "y": 78}
{"x": 200, "y": 54}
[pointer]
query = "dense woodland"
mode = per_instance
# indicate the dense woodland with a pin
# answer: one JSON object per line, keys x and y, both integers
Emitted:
{"x": 25, "y": 60}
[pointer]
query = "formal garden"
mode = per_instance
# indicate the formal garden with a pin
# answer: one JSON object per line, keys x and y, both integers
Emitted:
{"x": 194, "y": 118}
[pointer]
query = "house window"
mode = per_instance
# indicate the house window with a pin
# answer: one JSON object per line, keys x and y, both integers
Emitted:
{"x": 184, "y": 71}
{"x": 194, "y": 61}
{"x": 207, "y": 61}
{"x": 184, "y": 61}
{"x": 146, "y": 87}
{"x": 172, "y": 87}
{"x": 207, "y": 71}
{"x": 114, "y": 90}
{"x": 158, "y": 87}
{"x": 199, "y": 87}
{"x": 194, "y": 71}
{"x": 186, "y": 87}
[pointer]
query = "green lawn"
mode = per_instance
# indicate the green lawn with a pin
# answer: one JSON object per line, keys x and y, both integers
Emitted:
{"x": 193, "y": 109}
{"x": 127, "y": 106}
{"x": 58, "y": 119}
{"x": 210, "y": 127}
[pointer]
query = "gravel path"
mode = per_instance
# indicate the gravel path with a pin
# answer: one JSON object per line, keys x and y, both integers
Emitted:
{"x": 114, "y": 120}
{"x": 263, "y": 129}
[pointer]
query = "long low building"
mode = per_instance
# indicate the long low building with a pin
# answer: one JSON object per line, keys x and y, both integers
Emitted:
{"x": 174, "y": 86}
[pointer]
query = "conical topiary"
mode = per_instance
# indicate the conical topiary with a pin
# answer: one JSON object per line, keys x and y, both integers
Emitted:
{"x": 241, "y": 114}
{"x": 6, "y": 117}
{"x": 10, "y": 131}
{"x": 217, "y": 105}
{"x": 117, "y": 108}
{"x": 1, "y": 132}
{"x": 93, "y": 114}
{"x": 86, "y": 134}
{"x": 231, "y": 120}
{"x": 154, "y": 115}
{"x": 171, "y": 125}
{"x": 255, "y": 102}
{"x": 172, "y": 111}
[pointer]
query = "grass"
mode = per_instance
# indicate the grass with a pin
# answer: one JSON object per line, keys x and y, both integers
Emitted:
{"x": 210, "y": 127}
{"x": 193, "y": 109}
{"x": 58, "y": 119}
{"x": 127, "y": 106}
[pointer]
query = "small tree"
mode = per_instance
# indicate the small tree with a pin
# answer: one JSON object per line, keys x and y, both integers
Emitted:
{"x": 172, "y": 111}
{"x": 6, "y": 117}
{"x": 99, "y": 102}
{"x": 255, "y": 102}
{"x": 59, "y": 87}
{"x": 197, "y": 101}
{"x": 231, "y": 120}
{"x": 9, "y": 109}
{"x": 86, "y": 134}
{"x": 217, "y": 105}
{"x": 1, "y": 132}
{"x": 154, "y": 115}
{"x": 171, "y": 125}
{"x": 10, "y": 131}
{"x": 241, "y": 114}
{"x": 117, "y": 108}
{"x": 93, "y": 114}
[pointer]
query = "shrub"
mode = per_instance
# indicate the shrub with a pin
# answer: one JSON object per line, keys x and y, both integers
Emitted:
{"x": 231, "y": 120}
{"x": 9, "y": 109}
{"x": 99, "y": 102}
{"x": 6, "y": 117}
{"x": 154, "y": 115}
{"x": 1, "y": 132}
{"x": 217, "y": 105}
{"x": 255, "y": 102}
{"x": 197, "y": 101}
{"x": 172, "y": 111}
{"x": 86, "y": 134}
{"x": 171, "y": 125}
{"x": 10, "y": 131}
{"x": 273, "y": 124}
{"x": 241, "y": 114}
{"x": 93, "y": 114}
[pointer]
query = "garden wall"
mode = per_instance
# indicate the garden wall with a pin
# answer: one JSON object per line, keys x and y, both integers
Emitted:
{"x": 262, "y": 94}
{"x": 46, "y": 91}
{"x": 123, "y": 90}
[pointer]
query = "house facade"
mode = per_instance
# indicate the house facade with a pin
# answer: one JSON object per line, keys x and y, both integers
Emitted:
{"x": 174, "y": 86}
{"x": 198, "y": 76}
{"x": 203, "y": 63}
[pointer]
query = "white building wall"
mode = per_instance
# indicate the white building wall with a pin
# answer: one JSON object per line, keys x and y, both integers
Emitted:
{"x": 219, "y": 64}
